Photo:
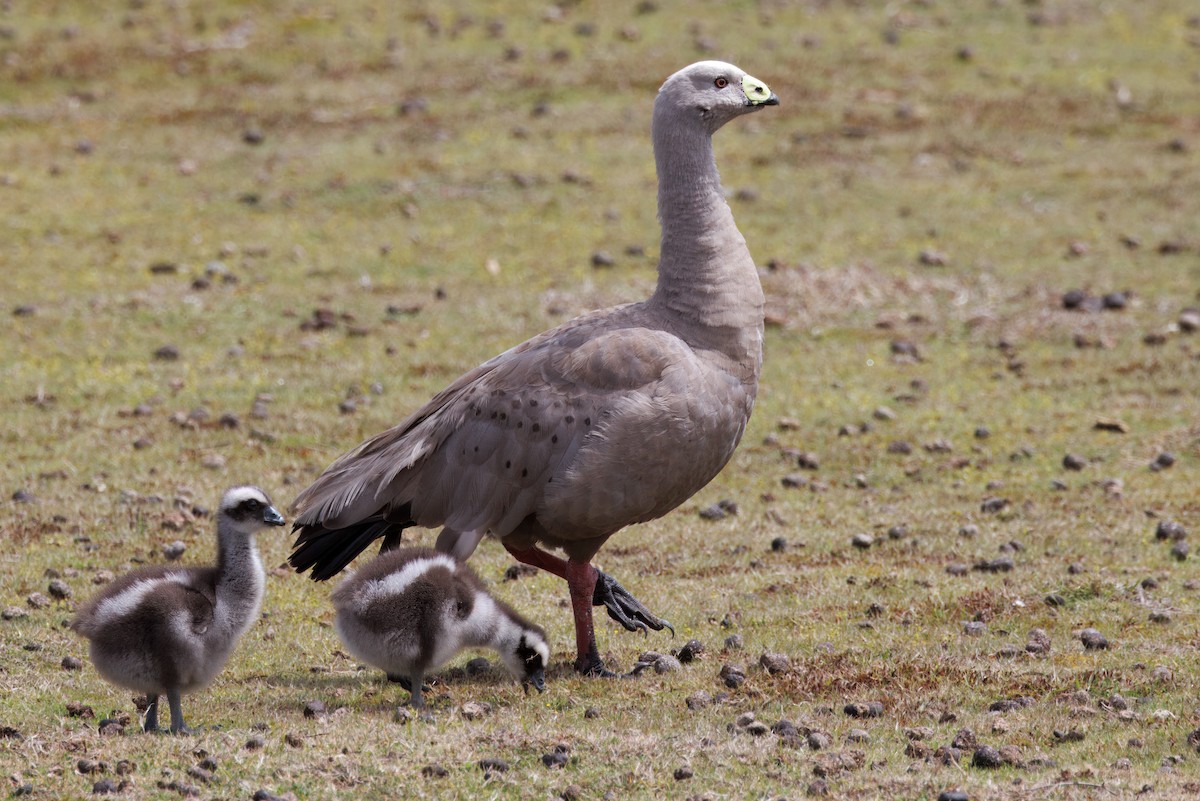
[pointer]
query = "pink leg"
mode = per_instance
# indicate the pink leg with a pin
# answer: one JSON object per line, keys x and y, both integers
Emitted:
{"x": 540, "y": 559}
{"x": 589, "y": 587}
{"x": 581, "y": 582}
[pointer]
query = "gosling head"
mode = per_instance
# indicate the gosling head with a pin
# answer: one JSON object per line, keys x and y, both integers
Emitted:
{"x": 246, "y": 510}
{"x": 527, "y": 657}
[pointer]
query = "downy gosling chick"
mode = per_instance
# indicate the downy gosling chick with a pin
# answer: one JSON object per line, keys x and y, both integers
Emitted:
{"x": 168, "y": 629}
{"x": 411, "y": 610}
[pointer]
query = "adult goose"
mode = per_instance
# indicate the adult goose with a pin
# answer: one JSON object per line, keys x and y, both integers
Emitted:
{"x": 613, "y": 418}
{"x": 168, "y": 630}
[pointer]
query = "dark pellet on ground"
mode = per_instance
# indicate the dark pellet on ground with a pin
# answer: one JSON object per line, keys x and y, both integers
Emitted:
{"x": 1115, "y": 301}
{"x": 775, "y": 663}
{"x": 690, "y": 651}
{"x": 1074, "y": 462}
{"x": 1002, "y": 564}
{"x": 1164, "y": 460}
{"x": 1093, "y": 640}
{"x": 733, "y": 676}
{"x": 986, "y": 757}
{"x": 1073, "y": 298}
{"x": 993, "y": 505}
{"x": 104, "y": 787}
{"x": 872, "y": 709}
{"x": 1169, "y": 530}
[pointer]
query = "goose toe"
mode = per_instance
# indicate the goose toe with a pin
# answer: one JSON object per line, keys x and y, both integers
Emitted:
{"x": 624, "y": 608}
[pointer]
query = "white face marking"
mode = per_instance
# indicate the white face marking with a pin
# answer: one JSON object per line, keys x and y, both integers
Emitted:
{"x": 541, "y": 647}
{"x": 396, "y": 583}
{"x": 124, "y": 602}
{"x": 236, "y": 495}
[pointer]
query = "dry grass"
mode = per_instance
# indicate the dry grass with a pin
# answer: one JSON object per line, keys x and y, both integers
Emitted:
{"x": 1025, "y": 148}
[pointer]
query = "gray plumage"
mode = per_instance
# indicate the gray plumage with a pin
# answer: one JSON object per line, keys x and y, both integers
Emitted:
{"x": 612, "y": 418}
{"x": 409, "y": 611}
{"x": 169, "y": 630}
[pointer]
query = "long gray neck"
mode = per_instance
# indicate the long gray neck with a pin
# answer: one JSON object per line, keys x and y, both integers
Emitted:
{"x": 240, "y": 578}
{"x": 705, "y": 273}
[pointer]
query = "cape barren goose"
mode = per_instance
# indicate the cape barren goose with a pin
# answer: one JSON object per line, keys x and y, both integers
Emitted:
{"x": 410, "y": 610}
{"x": 613, "y": 418}
{"x": 168, "y": 630}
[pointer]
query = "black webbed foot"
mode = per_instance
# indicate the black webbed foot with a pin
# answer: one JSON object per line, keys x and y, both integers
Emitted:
{"x": 624, "y": 608}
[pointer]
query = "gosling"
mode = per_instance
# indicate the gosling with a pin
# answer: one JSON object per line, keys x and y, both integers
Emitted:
{"x": 168, "y": 630}
{"x": 411, "y": 610}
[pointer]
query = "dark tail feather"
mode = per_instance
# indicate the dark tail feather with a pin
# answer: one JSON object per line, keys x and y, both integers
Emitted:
{"x": 328, "y": 551}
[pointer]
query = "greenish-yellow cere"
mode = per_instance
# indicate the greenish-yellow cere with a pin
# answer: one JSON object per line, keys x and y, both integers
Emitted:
{"x": 756, "y": 91}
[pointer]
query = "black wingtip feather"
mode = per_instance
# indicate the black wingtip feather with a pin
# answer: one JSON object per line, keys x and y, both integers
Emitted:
{"x": 328, "y": 551}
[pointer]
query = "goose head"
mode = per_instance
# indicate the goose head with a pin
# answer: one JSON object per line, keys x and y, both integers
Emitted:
{"x": 527, "y": 658}
{"x": 713, "y": 93}
{"x": 246, "y": 510}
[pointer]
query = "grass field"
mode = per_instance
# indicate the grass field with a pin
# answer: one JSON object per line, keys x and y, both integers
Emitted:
{"x": 236, "y": 238}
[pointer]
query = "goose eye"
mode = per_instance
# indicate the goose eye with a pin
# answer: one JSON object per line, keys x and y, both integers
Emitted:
{"x": 721, "y": 83}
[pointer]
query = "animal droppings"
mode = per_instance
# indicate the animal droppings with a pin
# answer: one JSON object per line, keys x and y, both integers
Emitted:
{"x": 315, "y": 709}
{"x": 1169, "y": 530}
{"x": 872, "y": 709}
{"x": 1002, "y": 564}
{"x": 733, "y": 676}
{"x": 1163, "y": 461}
{"x": 775, "y": 663}
{"x": 492, "y": 765}
{"x": 1093, "y": 640}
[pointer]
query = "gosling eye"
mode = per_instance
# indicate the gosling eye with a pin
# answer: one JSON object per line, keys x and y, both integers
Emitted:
{"x": 721, "y": 82}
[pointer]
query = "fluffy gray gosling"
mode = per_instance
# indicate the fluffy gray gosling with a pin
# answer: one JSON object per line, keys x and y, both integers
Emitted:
{"x": 168, "y": 630}
{"x": 410, "y": 610}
